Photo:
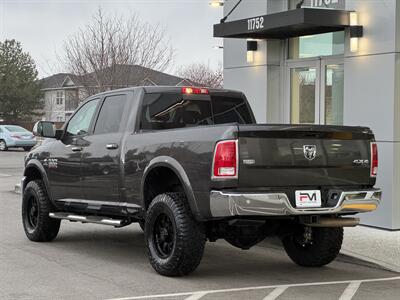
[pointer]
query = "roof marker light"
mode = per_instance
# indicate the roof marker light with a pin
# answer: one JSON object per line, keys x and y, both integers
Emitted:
{"x": 195, "y": 91}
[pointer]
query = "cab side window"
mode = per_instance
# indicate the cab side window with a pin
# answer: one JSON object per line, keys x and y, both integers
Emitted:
{"x": 80, "y": 122}
{"x": 110, "y": 116}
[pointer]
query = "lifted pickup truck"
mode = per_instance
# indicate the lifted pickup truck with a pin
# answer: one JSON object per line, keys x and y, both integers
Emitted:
{"x": 190, "y": 165}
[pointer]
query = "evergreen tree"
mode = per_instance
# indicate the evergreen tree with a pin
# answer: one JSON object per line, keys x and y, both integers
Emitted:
{"x": 20, "y": 91}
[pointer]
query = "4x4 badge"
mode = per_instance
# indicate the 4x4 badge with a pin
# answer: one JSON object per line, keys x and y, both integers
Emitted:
{"x": 310, "y": 151}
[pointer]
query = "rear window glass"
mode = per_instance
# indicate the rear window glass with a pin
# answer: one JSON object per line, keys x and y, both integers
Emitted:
{"x": 230, "y": 110}
{"x": 167, "y": 111}
{"x": 15, "y": 129}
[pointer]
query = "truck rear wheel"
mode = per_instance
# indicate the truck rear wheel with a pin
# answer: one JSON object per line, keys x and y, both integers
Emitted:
{"x": 36, "y": 206}
{"x": 314, "y": 247}
{"x": 175, "y": 241}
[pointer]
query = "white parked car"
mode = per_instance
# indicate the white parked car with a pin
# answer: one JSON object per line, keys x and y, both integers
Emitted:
{"x": 13, "y": 136}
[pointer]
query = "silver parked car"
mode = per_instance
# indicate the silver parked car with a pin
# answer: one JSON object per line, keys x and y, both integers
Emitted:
{"x": 12, "y": 136}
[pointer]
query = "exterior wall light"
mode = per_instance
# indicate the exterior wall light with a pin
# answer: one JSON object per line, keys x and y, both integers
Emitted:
{"x": 356, "y": 31}
{"x": 216, "y": 3}
{"x": 251, "y": 48}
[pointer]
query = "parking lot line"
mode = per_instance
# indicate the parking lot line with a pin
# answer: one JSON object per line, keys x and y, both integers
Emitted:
{"x": 258, "y": 288}
{"x": 196, "y": 296}
{"x": 276, "y": 293}
{"x": 350, "y": 291}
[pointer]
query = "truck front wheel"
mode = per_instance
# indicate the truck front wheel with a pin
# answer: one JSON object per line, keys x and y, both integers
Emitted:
{"x": 314, "y": 247}
{"x": 175, "y": 240}
{"x": 36, "y": 206}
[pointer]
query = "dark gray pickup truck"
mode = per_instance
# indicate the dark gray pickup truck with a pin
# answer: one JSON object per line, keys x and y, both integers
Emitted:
{"x": 190, "y": 165}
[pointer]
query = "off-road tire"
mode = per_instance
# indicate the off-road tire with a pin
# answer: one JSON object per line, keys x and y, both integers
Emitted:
{"x": 325, "y": 247}
{"x": 188, "y": 246}
{"x": 45, "y": 228}
{"x": 3, "y": 145}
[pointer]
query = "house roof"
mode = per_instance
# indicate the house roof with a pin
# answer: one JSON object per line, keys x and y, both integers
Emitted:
{"x": 54, "y": 81}
{"x": 123, "y": 76}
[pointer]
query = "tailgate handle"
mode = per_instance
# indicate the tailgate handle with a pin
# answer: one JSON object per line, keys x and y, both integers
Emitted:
{"x": 112, "y": 146}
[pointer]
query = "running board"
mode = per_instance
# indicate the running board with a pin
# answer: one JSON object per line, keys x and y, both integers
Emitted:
{"x": 90, "y": 219}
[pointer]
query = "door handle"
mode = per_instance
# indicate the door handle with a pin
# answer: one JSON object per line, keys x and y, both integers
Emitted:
{"x": 76, "y": 149}
{"x": 112, "y": 146}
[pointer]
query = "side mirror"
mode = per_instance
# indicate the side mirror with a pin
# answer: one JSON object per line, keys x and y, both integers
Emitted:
{"x": 44, "y": 129}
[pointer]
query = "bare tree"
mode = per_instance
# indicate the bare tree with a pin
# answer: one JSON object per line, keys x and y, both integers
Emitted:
{"x": 203, "y": 74}
{"x": 96, "y": 52}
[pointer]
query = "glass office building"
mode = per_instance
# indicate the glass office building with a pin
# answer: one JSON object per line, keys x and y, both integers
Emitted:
{"x": 334, "y": 62}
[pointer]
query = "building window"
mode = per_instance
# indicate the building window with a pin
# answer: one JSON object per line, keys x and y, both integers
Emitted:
{"x": 59, "y": 118}
{"x": 60, "y": 98}
{"x": 325, "y": 44}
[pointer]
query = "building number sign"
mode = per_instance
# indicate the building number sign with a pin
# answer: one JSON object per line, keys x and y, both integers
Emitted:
{"x": 255, "y": 23}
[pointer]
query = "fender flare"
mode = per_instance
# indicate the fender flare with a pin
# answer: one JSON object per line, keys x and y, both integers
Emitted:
{"x": 176, "y": 167}
{"x": 34, "y": 163}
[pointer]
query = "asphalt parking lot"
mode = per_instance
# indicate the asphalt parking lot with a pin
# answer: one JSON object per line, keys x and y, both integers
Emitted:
{"x": 96, "y": 262}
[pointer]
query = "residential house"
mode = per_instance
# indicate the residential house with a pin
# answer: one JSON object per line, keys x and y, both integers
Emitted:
{"x": 64, "y": 91}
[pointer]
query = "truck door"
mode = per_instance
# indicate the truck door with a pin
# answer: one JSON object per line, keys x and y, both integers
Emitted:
{"x": 101, "y": 152}
{"x": 64, "y": 164}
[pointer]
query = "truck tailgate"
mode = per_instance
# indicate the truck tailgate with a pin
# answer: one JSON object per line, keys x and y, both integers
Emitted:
{"x": 304, "y": 155}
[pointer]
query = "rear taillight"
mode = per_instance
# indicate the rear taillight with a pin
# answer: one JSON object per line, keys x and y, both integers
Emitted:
{"x": 225, "y": 163}
{"x": 15, "y": 136}
{"x": 374, "y": 160}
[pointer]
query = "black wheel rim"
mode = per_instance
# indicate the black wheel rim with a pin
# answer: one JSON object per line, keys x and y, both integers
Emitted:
{"x": 32, "y": 212}
{"x": 164, "y": 235}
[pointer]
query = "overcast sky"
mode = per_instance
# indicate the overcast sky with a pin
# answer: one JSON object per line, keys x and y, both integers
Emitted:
{"x": 43, "y": 25}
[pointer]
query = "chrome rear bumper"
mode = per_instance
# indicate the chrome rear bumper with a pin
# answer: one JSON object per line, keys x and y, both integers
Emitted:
{"x": 223, "y": 204}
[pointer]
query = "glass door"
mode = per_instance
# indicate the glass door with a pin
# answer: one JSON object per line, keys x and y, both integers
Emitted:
{"x": 303, "y": 92}
{"x": 332, "y": 91}
{"x": 314, "y": 91}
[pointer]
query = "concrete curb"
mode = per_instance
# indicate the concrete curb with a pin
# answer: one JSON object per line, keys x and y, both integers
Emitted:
{"x": 382, "y": 264}
{"x": 344, "y": 256}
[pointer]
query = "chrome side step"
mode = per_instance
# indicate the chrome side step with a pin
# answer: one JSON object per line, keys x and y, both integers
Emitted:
{"x": 90, "y": 219}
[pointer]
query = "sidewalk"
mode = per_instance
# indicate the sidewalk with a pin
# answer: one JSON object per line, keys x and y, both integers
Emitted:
{"x": 377, "y": 246}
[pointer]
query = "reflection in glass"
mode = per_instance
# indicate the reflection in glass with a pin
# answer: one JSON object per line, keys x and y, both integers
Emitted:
{"x": 302, "y": 95}
{"x": 316, "y": 45}
{"x": 334, "y": 84}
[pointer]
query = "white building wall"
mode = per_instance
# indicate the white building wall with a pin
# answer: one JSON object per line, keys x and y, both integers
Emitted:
{"x": 370, "y": 97}
{"x": 240, "y": 75}
{"x": 396, "y": 160}
{"x": 51, "y": 110}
